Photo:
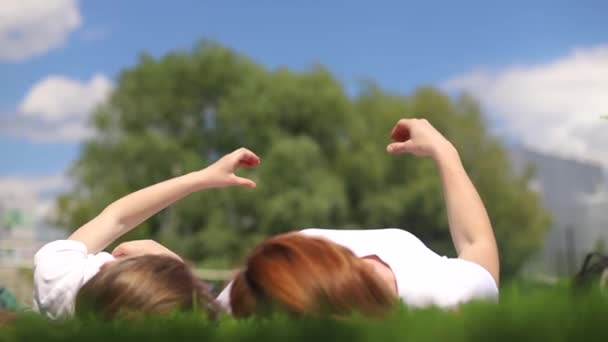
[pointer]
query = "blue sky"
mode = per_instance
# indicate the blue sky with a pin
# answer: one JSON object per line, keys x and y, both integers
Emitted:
{"x": 478, "y": 46}
{"x": 400, "y": 44}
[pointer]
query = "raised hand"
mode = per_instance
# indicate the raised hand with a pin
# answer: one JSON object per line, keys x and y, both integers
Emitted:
{"x": 417, "y": 137}
{"x": 222, "y": 173}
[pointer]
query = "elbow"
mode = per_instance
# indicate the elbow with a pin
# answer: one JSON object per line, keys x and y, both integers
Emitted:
{"x": 112, "y": 219}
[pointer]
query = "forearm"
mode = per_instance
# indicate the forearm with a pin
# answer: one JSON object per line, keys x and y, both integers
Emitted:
{"x": 137, "y": 207}
{"x": 469, "y": 223}
{"x": 130, "y": 211}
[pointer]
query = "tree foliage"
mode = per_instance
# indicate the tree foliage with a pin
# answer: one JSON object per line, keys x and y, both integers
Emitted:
{"x": 323, "y": 157}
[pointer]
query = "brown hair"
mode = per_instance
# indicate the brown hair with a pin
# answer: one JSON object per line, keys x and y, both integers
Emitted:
{"x": 143, "y": 285}
{"x": 307, "y": 275}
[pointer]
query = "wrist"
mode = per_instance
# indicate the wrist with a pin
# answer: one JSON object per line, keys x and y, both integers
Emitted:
{"x": 446, "y": 153}
{"x": 201, "y": 179}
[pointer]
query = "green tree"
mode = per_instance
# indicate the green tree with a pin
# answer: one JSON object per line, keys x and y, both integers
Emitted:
{"x": 323, "y": 157}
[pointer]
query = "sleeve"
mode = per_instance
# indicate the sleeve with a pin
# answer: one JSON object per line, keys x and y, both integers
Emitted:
{"x": 60, "y": 269}
{"x": 462, "y": 281}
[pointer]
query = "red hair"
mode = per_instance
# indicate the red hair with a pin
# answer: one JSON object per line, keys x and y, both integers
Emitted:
{"x": 308, "y": 275}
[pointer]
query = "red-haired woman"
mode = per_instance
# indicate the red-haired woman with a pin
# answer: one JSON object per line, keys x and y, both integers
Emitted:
{"x": 338, "y": 272}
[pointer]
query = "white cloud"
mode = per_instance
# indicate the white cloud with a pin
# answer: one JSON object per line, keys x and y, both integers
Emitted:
{"x": 39, "y": 131}
{"x": 57, "y": 109}
{"x": 32, "y": 27}
{"x": 57, "y": 98}
{"x": 35, "y": 196}
{"x": 554, "y": 107}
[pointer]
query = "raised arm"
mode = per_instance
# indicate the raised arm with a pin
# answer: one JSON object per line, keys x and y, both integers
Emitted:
{"x": 470, "y": 225}
{"x": 128, "y": 212}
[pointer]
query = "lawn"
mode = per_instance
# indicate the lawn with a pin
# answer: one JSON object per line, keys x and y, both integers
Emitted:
{"x": 524, "y": 314}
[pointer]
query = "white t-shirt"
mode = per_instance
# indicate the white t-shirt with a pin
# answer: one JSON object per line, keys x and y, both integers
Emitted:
{"x": 423, "y": 277}
{"x": 60, "y": 269}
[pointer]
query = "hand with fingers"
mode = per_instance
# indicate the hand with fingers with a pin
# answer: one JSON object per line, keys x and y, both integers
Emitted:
{"x": 222, "y": 174}
{"x": 417, "y": 137}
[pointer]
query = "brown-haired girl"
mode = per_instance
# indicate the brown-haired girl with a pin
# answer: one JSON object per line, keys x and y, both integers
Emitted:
{"x": 140, "y": 277}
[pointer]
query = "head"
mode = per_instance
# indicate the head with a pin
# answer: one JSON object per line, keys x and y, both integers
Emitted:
{"x": 143, "y": 285}
{"x": 305, "y": 275}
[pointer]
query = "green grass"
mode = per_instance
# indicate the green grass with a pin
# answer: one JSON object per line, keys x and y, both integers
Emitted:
{"x": 525, "y": 313}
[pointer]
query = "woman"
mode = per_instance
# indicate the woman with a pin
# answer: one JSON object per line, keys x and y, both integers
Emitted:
{"x": 139, "y": 277}
{"x": 338, "y": 272}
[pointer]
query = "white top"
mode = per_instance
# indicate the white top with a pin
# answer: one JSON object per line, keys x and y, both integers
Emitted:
{"x": 60, "y": 269}
{"x": 423, "y": 277}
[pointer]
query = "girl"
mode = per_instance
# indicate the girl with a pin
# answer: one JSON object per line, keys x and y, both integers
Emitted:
{"x": 140, "y": 277}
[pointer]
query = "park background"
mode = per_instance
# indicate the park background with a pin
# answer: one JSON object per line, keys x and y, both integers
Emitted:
{"x": 100, "y": 98}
